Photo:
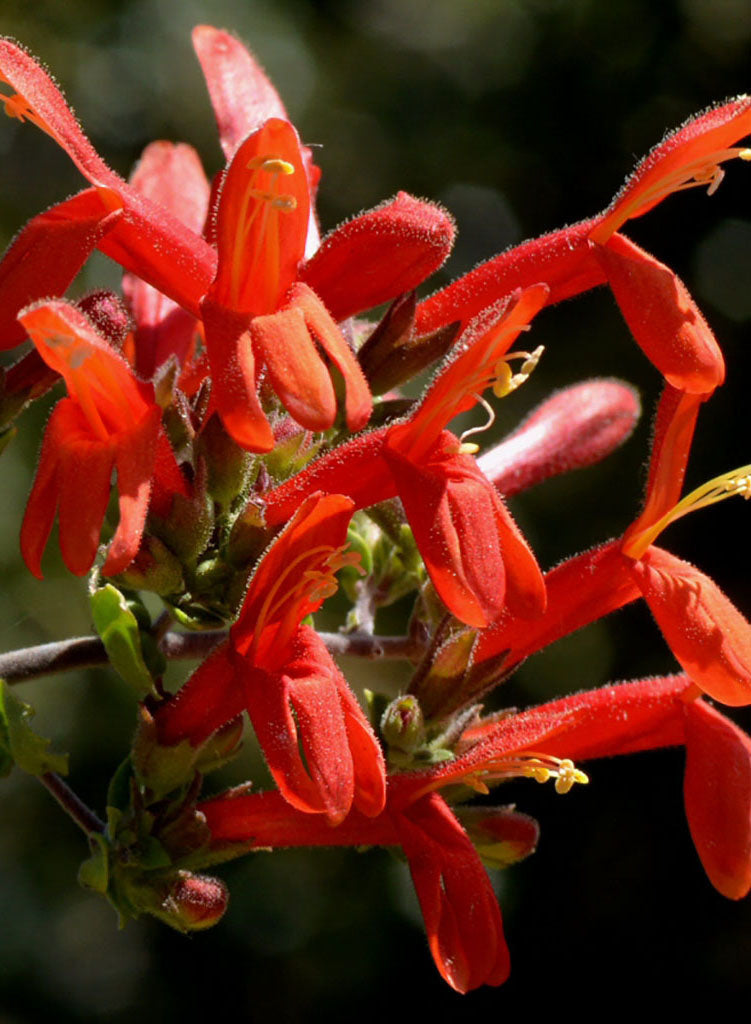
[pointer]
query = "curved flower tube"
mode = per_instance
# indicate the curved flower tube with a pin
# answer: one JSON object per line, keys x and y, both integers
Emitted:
{"x": 110, "y": 421}
{"x": 316, "y": 740}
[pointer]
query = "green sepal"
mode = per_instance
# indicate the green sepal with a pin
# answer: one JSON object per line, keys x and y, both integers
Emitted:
{"x": 151, "y": 855}
{"x": 19, "y": 744}
{"x": 118, "y": 628}
{"x": 94, "y": 873}
{"x": 118, "y": 793}
{"x": 376, "y": 704}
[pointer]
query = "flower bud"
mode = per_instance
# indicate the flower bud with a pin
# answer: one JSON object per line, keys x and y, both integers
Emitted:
{"x": 501, "y": 835}
{"x": 576, "y": 427}
{"x": 402, "y": 724}
{"x": 184, "y": 901}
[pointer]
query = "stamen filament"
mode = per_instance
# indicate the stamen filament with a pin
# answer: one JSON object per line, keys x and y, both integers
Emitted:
{"x": 309, "y": 584}
{"x": 704, "y": 171}
{"x": 481, "y": 428}
{"x": 526, "y": 765}
{"x": 737, "y": 481}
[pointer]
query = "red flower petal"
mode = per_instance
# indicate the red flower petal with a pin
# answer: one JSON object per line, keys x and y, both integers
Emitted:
{"x": 451, "y": 508}
{"x": 305, "y": 732}
{"x": 462, "y": 919}
{"x": 241, "y": 94}
{"x": 663, "y": 318}
{"x": 296, "y": 371}
{"x": 262, "y": 221}
{"x": 705, "y": 631}
{"x": 380, "y": 254}
{"x": 471, "y": 368}
{"x": 135, "y": 459}
{"x": 171, "y": 175}
{"x": 287, "y": 583}
{"x": 67, "y": 440}
{"x": 49, "y": 251}
{"x": 671, "y": 446}
{"x": 358, "y": 403}
{"x": 717, "y": 791}
{"x": 233, "y": 378}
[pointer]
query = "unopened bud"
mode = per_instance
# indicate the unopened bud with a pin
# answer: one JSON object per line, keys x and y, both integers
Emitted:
{"x": 108, "y": 314}
{"x": 154, "y": 568}
{"x": 576, "y": 427}
{"x": 186, "y": 902}
{"x": 501, "y": 835}
{"x": 402, "y": 724}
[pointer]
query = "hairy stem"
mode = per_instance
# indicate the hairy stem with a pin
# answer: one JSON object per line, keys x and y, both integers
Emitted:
{"x": 87, "y": 651}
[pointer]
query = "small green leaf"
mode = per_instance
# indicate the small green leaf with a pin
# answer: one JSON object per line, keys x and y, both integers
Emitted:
{"x": 19, "y": 744}
{"x": 118, "y": 627}
{"x": 94, "y": 873}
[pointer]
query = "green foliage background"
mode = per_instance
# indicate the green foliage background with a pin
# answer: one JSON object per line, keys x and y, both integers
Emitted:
{"x": 519, "y": 115}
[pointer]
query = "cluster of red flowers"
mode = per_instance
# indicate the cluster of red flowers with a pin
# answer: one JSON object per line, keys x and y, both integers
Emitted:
{"x": 255, "y": 427}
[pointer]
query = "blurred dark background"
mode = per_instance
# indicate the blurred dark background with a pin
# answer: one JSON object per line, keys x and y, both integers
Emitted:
{"x": 519, "y": 116}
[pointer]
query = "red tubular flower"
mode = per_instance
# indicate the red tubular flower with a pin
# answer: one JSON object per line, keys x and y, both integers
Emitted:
{"x": 577, "y": 427}
{"x": 685, "y": 158}
{"x": 109, "y": 421}
{"x": 663, "y": 318}
{"x": 476, "y": 557}
{"x": 147, "y": 239}
{"x": 317, "y": 742}
{"x": 624, "y": 719}
{"x": 461, "y": 916}
{"x": 705, "y": 631}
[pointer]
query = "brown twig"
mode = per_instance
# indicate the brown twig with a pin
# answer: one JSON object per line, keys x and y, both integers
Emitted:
{"x": 88, "y": 651}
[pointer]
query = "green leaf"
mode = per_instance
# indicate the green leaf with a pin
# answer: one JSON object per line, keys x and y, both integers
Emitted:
{"x": 19, "y": 744}
{"x": 118, "y": 627}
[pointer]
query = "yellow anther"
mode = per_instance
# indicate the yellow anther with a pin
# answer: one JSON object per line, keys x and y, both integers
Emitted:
{"x": 270, "y": 164}
{"x": 469, "y": 448}
{"x": 506, "y": 382}
{"x": 568, "y": 776}
{"x": 503, "y": 378}
{"x": 284, "y": 202}
{"x": 276, "y": 166}
{"x": 745, "y": 154}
